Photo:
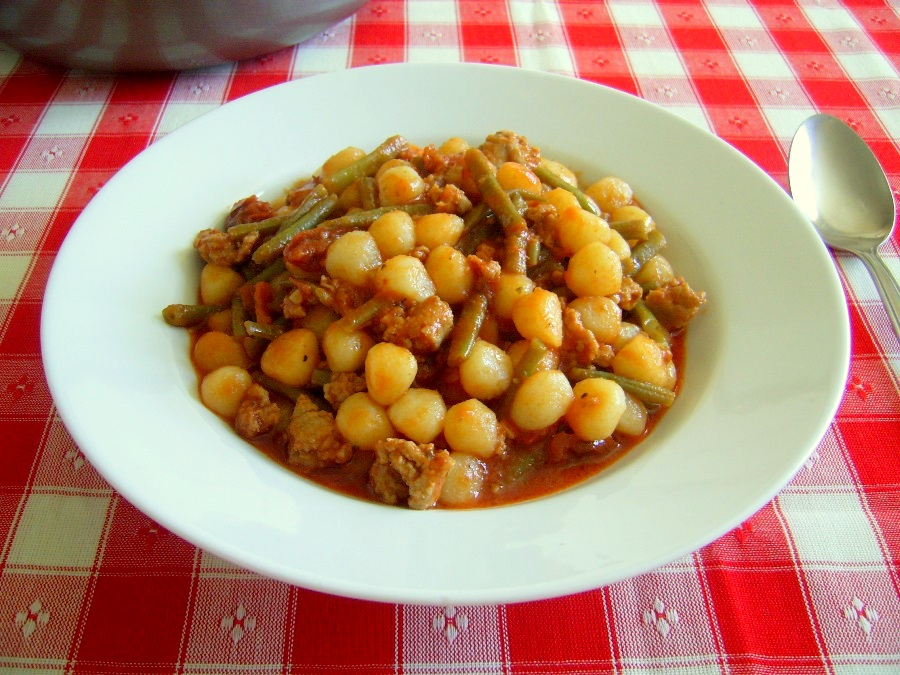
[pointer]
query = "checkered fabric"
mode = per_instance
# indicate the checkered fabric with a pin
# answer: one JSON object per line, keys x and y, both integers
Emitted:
{"x": 809, "y": 584}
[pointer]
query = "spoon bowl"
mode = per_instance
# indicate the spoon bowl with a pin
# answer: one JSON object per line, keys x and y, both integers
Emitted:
{"x": 839, "y": 185}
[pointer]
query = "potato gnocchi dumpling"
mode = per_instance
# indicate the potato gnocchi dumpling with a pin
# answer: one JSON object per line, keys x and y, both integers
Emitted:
{"x": 453, "y": 325}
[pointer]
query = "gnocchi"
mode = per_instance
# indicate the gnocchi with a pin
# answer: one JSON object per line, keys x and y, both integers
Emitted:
{"x": 461, "y": 325}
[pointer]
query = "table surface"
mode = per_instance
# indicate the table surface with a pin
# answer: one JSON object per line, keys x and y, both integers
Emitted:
{"x": 809, "y": 584}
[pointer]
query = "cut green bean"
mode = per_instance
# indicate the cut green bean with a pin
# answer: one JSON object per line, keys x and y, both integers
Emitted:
{"x": 188, "y": 316}
{"x": 320, "y": 377}
{"x": 648, "y": 322}
{"x": 281, "y": 220}
{"x": 645, "y": 391}
{"x": 547, "y": 266}
{"x": 525, "y": 367}
{"x": 553, "y": 180}
{"x": 518, "y": 201}
{"x": 529, "y": 361}
{"x": 466, "y": 330}
{"x": 638, "y": 228}
{"x": 478, "y": 213}
{"x": 644, "y": 251}
{"x": 498, "y": 200}
{"x": 359, "y": 316}
{"x": 526, "y": 195}
{"x": 493, "y": 194}
{"x": 272, "y": 248}
{"x": 475, "y": 235}
{"x": 366, "y": 166}
{"x": 269, "y": 272}
{"x": 363, "y": 219}
{"x": 263, "y": 331}
{"x": 270, "y": 383}
{"x": 367, "y": 195}
{"x": 238, "y": 316}
{"x": 316, "y": 195}
{"x": 262, "y": 226}
{"x": 521, "y": 465}
{"x": 533, "y": 251}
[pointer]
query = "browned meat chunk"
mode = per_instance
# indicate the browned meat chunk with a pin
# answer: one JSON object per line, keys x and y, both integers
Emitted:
{"x": 313, "y": 440}
{"x": 448, "y": 198}
{"x": 404, "y": 470}
{"x": 249, "y": 210}
{"x": 257, "y": 414}
{"x": 422, "y": 328}
{"x": 218, "y": 248}
{"x": 544, "y": 221}
{"x": 505, "y": 146}
{"x": 342, "y": 386}
{"x": 676, "y": 304}
{"x": 387, "y": 484}
{"x": 487, "y": 271}
{"x": 306, "y": 251}
{"x": 629, "y": 294}
{"x": 294, "y": 305}
{"x": 580, "y": 347}
{"x": 341, "y": 296}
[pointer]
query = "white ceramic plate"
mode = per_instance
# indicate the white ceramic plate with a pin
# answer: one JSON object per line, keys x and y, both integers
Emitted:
{"x": 765, "y": 362}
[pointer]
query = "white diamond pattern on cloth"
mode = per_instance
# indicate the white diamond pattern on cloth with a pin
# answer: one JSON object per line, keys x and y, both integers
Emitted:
{"x": 452, "y": 640}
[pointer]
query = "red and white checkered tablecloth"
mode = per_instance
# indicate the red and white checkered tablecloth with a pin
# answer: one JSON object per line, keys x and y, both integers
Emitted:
{"x": 809, "y": 584}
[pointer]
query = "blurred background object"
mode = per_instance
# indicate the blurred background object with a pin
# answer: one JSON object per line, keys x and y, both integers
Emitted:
{"x": 142, "y": 35}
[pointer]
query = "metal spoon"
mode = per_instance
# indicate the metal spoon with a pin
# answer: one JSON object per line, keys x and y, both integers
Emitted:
{"x": 837, "y": 182}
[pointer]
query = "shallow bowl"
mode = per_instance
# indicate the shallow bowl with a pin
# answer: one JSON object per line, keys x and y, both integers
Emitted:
{"x": 765, "y": 362}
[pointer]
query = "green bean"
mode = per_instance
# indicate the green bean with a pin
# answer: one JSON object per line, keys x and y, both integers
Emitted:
{"x": 555, "y": 181}
{"x": 644, "y": 251}
{"x": 271, "y": 248}
{"x": 274, "y": 385}
{"x": 638, "y": 228}
{"x": 498, "y": 200}
{"x": 518, "y": 201}
{"x": 263, "y": 331}
{"x": 478, "y": 223}
{"x": 520, "y": 465}
{"x": 547, "y": 266}
{"x": 281, "y": 220}
{"x": 526, "y": 366}
{"x": 529, "y": 361}
{"x": 359, "y": 316}
{"x": 467, "y": 327}
{"x": 645, "y": 391}
{"x": 269, "y": 272}
{"x": 320, "y": 377}
{"x": 473, "y": 236}
{"x": 491, "y": 191}
{"x": 650, "y": 324}
{"x": 533, "y": 251}
{"x": 366, "y": 166}
{"x": 363, "y": 219}
{"x": 188, "y": 316}
{"x": 515, "y": 254}
{"x": 526, "y": 195}
{"x": 238, "y": 316}
{"x": 316, "y": 195}
{"x": 367, "y": 196}
{"x": 479, "y": 212}
{"x": 262, "y": 226}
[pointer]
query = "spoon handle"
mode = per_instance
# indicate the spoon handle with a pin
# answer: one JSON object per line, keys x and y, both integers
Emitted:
{"x": 886, "y": 285}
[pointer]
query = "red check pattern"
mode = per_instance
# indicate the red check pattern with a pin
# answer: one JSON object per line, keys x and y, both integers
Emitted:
{"x": 809, "y": 584}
